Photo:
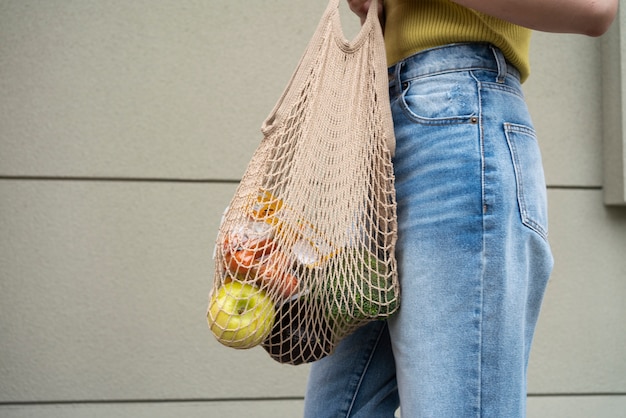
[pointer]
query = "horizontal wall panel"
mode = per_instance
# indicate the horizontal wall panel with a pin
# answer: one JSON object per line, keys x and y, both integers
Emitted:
{"x": 103, "y": 295}
{"x": 180, "y": 89}
{"x": 104, "y": 287}
{"x": 175, "y": 89}
{"x": 565, "y": 99}
{"x": 577, "y": 407}
{"x": 581, "y": 335}
{"x": 104, "y": 292}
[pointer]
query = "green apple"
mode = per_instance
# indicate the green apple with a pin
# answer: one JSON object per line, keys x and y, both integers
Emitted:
{"x": 240, "y": 315}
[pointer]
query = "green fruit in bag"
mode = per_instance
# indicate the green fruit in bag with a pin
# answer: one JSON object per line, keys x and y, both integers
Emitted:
{"x": 358, "y": 288}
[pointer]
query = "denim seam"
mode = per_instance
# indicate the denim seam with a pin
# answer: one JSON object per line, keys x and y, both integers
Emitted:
{"x": 484, "y": 211}
{"x": 365, "y": 367}
{"x": 503, "y": 87}
{"x": 451, "y": 70}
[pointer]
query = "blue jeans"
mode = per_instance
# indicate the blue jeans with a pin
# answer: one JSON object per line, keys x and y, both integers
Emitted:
{"x": 472, "y": 250}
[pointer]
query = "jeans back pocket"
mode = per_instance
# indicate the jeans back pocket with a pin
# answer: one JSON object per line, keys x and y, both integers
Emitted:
{"x": 529, "y": 176}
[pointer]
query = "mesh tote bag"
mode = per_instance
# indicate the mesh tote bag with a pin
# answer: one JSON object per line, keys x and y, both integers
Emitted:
{"x": 305, "y": 251}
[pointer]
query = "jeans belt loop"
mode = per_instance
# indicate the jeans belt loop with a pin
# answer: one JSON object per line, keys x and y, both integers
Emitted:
{"x": 399, "y": 76}
{"x": 501, "y": 63}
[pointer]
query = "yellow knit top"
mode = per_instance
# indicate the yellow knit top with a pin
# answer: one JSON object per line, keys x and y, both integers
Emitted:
{"x": 414, "y": 25}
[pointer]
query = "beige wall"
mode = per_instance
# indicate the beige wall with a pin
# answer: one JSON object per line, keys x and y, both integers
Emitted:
{"x": 124, "y": 127}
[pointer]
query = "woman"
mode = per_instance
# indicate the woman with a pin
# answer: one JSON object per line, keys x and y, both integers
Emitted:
{"x": 472, "y": 243}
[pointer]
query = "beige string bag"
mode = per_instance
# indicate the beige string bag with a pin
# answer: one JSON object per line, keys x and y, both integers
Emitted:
{"x": 305, "y": 251}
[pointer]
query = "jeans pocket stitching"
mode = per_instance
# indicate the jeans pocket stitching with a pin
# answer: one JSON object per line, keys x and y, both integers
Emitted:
{"x": 526, "y": 218}
{"x": 450, "y": 119}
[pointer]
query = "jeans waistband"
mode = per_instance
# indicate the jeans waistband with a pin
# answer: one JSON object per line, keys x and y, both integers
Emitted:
{"x": 453, "y": 57}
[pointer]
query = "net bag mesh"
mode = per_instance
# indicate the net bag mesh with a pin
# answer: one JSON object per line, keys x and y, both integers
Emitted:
{"x": 305, "y": 251}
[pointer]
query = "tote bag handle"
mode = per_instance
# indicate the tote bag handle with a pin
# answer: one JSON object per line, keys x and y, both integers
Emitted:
{"x": 330, "y": 25}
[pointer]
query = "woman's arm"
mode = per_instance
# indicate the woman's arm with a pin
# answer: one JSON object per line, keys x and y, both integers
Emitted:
{"x": 587, "y": 17}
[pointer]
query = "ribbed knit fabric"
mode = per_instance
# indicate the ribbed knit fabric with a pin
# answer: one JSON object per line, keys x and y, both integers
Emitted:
{"x": 415, "y": 25}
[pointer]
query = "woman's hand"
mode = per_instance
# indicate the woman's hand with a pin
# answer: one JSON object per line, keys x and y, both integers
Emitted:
{"x": 360, "y": 8}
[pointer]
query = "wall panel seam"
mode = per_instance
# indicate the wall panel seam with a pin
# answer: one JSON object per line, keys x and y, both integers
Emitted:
{"x": 202, "y": 180}
{"x": 256, "y": 399}
{"x": 122, "y": 179}
{"x": 152, "y": 401}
